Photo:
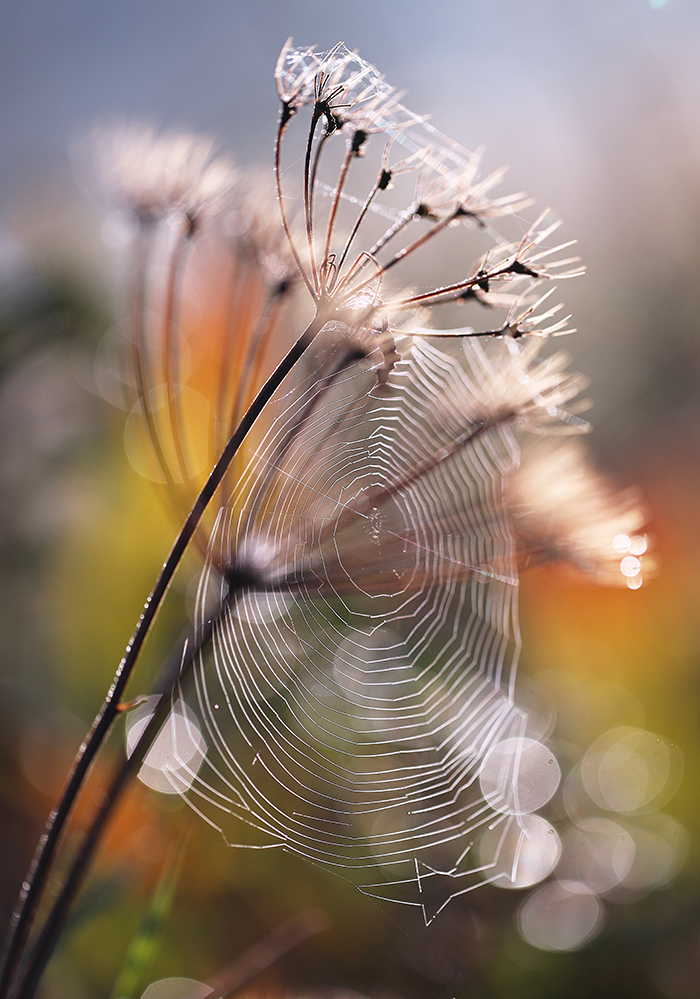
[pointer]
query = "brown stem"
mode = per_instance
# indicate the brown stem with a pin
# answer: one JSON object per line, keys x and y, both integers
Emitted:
{"x": 251, "y": 371}
{"x": 334, "y": 206}
{"x": 309, "y": 184}
{"x": 139, "y": 348}
{"x": 358, "y": 222}
{"x": 171, "y": 366}
{"x": 285, "y": 220}
{"x": 455, "y": 290}
{"x": 176, "y": 671}
{"x": 393, "y": 231}
{"x": 406, "y": 251}
{"x": 219, "y": 425}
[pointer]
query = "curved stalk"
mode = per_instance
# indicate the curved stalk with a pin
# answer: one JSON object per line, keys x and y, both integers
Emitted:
{"x": 171, "y": 359}
{"x": 174, "y": 673}
{"x": 139, "y": 348}
{"x": 283, "y": 213}
{"x": 358, "y": 222}
{"x": 309, "y": 179}
{"x": 35, "y": 880}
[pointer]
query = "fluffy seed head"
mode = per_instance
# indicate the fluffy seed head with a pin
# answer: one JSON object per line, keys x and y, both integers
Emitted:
{"x": 159, "y": 175}
{"x": 566, "y": 512}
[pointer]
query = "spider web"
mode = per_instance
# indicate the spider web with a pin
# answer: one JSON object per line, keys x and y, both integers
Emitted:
{"x": 348, "y": 703}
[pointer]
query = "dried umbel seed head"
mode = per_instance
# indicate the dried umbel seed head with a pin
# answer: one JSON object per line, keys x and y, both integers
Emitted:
{"x": 508, "y": 383}
{"x": 345, "y": 251}
{"x": 211, "y": 304}
{"x": 155, "y": 176}
{"x": 345, "y": 88}
{"x": 355, "y": 676}
{"x": 462, "y": 194}
{"x": 251, "y": 225}
{"x": 565, "y": 512}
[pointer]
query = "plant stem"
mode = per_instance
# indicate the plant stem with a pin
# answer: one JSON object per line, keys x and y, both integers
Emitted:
{"x": 309, "y": 194}
{"x": 173, "y": 674}
{"x": 285, "y": 221}
{"x": 35, "y": 880}
{"x": 170, "y": 348}
{"x": 358, "y": 222}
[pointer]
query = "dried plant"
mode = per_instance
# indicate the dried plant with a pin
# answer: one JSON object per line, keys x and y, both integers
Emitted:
{"x": 345, "y": 461}
{"x": 564, "y": 512}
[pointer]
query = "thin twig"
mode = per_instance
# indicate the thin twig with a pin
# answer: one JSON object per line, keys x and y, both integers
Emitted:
{"x": 139, "y": 346}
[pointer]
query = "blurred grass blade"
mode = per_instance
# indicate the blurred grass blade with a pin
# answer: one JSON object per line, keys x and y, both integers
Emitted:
{"x": 145, "y": 945}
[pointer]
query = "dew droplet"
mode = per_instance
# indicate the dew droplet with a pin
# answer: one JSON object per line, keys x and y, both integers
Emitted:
{"x": 630, "y": 566}
{"x": 560, "y": 916}
{"x": 621, "y": 543}
{"x": 519, "y": 775}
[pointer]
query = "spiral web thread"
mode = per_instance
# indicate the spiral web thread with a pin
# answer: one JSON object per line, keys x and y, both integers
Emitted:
{"x": 355, "y": 689}
{"x": 347, "y": 705}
